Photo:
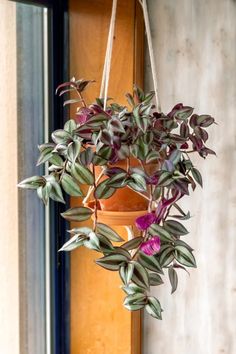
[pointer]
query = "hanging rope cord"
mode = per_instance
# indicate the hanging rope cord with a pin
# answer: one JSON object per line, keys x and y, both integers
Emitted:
{"x": 108, "y": 56}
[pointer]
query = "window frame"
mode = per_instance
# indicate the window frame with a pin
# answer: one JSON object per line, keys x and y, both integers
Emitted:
{"x": 58, "y": 50}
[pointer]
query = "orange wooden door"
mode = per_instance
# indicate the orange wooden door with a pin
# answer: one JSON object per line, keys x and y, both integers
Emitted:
{"x": 99, "y": 323}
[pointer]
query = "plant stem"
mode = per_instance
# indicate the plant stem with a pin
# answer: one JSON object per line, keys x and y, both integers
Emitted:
{"x": 91, "y": 188}
{"x": 82, "y": 99}
{"x": 96, "y": 203}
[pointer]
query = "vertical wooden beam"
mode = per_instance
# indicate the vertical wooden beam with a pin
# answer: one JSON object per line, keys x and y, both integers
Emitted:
{"x": 99, "y": 323}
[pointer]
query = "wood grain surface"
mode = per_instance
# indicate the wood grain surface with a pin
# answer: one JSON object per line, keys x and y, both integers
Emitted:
{"x": 99, "y": 323}
{"x": 195, "y": 50}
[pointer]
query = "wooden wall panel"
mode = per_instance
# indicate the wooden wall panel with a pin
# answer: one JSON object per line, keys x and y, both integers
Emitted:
{"x": 195, "y": 50}
{"x": 99, "y": 323}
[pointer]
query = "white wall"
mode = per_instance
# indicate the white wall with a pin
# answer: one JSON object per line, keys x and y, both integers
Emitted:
{"x": 195, "y": 50}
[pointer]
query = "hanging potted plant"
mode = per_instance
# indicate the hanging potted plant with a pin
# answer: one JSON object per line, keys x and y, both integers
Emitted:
{"x": 141, "y": 156}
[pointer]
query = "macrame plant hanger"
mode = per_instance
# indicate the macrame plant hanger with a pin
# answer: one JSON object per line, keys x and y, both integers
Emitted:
{"x": 107, "y": 68}
{"x": 108, "y": 56}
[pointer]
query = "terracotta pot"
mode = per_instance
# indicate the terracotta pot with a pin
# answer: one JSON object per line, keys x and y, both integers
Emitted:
{"x": 125, "y": 199}
{"x": 116, "y": 218}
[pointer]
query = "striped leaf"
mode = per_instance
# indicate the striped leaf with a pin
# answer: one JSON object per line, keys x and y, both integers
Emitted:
{"x": 82, "y": 174}
{"x": 150, "y": 262}
{"x": 175, "y": 228}
{"x": 107, "y": 231}
{"x": 77, "y": 214}
{"x": 157, "y": 230}
{"x": 135, "y": 301}
{"x": 165, "y": 179}
{"x": 126, "y": 272}
{"x": 140, "y": 276}
{"x": 75, "y": 242}
{"x": 173, "y": 279}
{"x": 70, "y": 186}
{"x": 73, "y": 150}
{"x": 132, "y": 244}
{"x": 103, "y": 191}
{"x": 112, "y": 261}
{"x": 185, "y": 257}
{"x": 155, "y": 279}
{"x": 153, "y": 307}
{"x": 166, "y": 256}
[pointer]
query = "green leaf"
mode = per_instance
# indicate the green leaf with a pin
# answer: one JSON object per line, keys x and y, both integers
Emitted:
{"x": 152, "y": 156}
{"x": 73, "y": 150}
{"x": 82, "y": 174}
{"x": 126, "y": 272}
{"x": 197, "y": 176}
{"x": 138, "y": 183}
{"x": 150, "y": 262}
{"x": 103, "y": 191}
{"x": 157, "y": 193}
{"x": 115, "y": 125}
{"x": 56, "y": 160}
{"x": 166, "y": 256}
{"x": 32, "y": 182}
{"x": 175, "y": 228}
{"x": 86, "y": 156}
{"x": 112, "y": 261}
{"x": 132, "y": 288}
{"x": 92, "y": 242}
{"x": 77, "y": 214}
{"x": 45, "y": 154}
{"x": 175, "y": 156}
{"x": 135, "y": 302}
{"x": 70, "y": 126}
{"x": 75, "y": 242}
{"x": 132, "y": 244}
{"x": 173, "y": 279}
{"x": 184, "y": 113}
{"x": 118, "y": 180}
{"x": 107, "y": 231}
{"x": 184, "y": 256}
{"x": 44, "y": 192}
{"x": 141, "y": 122}
{"x": 98, "y": 118}
{"x": 165, "y": 179}
{"x": 60, "y": 136}
{"x": 153, "y": 307}
{"x": 105, "y": 244}
{"x": 140, "y": 276}
{"x": 155, "y": 279}
{"x": 157, "y": 230}
{"x": 56, "y": 192}
{"x": 70, "y": 186}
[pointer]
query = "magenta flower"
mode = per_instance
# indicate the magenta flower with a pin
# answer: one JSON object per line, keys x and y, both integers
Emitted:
{"x": 143, "y": 222}
{"x": 151, "y": 246}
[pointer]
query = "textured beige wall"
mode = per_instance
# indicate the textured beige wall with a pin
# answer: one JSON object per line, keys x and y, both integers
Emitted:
{"x": 195, "y": 50}
{"x": 9, "y": 297}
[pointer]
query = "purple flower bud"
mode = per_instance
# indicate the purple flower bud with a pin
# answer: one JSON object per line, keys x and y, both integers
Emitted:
{"x": 151, "y": 246}
{"x": 143, "y": 222}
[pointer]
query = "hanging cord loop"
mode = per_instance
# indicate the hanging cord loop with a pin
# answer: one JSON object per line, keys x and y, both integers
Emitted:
{"x": 108, "y": 56}
{"x": 107, "y": 63}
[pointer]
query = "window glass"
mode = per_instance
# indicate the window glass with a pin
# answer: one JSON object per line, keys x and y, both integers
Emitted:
{"x": 24, "y": 222}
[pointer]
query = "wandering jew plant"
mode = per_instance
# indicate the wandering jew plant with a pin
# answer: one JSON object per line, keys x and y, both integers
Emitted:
{"x": 98, "y": 137}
